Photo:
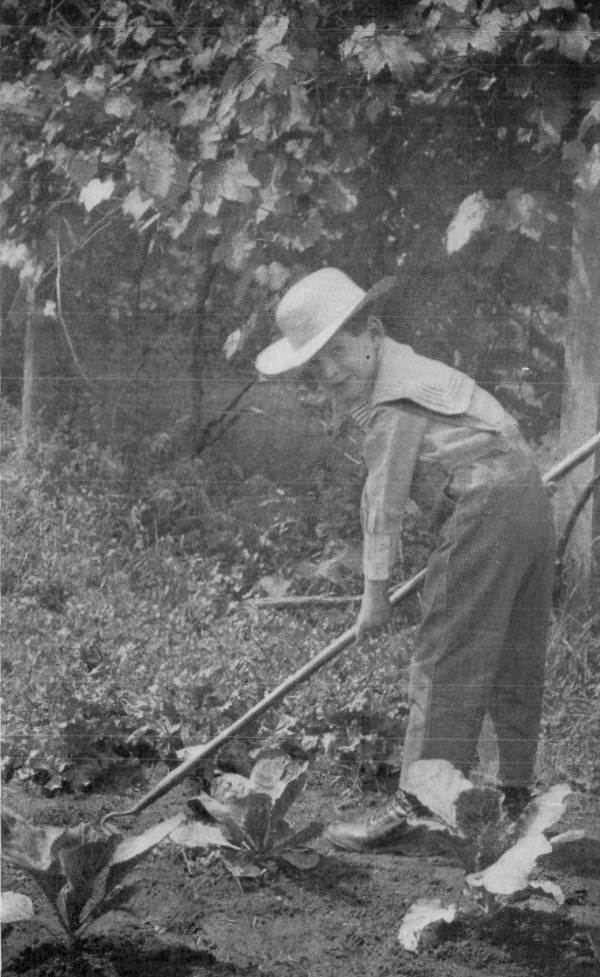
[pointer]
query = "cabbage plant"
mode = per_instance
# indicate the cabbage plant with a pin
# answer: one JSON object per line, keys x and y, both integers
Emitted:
{"x": 499, "y": 854}
{"x": 252, "y": 828}
{"x": 82, "y": 871}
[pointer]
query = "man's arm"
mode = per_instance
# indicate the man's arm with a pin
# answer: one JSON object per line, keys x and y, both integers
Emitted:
{"x": 391, "y": 450}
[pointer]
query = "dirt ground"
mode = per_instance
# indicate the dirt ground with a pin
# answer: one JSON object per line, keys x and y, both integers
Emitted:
{"x": 340, "y": 919}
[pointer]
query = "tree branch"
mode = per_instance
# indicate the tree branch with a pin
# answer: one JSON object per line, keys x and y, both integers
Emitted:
{"x": 102, "y": 224}
{"x": 61, "y": 317}
{"x": 307, "y": 600}
{"x": 222, "y": 423}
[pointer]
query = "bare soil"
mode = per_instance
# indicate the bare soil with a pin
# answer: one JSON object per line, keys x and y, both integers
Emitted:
{"x": 191, "y": 918}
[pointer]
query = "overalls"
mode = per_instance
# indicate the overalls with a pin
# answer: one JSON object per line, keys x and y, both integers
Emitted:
{"x": 486, "y": 601}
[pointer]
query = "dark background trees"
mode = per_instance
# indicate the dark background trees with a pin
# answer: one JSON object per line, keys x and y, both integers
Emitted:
{"x": 170, "y": 166}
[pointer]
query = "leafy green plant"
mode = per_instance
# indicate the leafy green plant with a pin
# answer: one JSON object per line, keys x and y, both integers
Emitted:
{"x": 500, "y": 855}
{"x": 252, "y": 827}
{"x": 81, "y": 870}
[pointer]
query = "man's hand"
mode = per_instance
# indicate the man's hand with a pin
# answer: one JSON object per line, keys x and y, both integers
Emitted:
{"x": 375, "y": 610}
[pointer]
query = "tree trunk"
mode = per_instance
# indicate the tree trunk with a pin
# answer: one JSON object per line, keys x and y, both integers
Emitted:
{"x": 580, "y": 417}
{"x": 29, "y": 395}
{"x": 199, "y": 344}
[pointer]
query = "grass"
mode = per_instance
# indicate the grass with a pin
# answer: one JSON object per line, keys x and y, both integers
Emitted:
{"x": 571, "y": 724}
{"x": 120, "y": 644}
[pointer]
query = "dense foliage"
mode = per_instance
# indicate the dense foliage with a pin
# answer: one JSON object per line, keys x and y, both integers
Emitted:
{"x": 169, "y": 166}
{"x": 121, "y": 646}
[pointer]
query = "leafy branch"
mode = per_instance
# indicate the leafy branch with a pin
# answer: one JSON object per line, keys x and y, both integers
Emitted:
{"x": 61, "y": 317}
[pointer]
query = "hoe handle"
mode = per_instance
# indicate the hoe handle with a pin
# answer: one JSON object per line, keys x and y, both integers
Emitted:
{"x": 195, "y": 754}
{"x": 564, "y": 466}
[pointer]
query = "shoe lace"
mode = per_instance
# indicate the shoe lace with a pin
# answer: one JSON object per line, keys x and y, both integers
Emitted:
{"x": 394, "y": 809}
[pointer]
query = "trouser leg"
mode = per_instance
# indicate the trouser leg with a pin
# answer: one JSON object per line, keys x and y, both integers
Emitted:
{"x": 516, "y": 700}
{"x": 472, "y": 580}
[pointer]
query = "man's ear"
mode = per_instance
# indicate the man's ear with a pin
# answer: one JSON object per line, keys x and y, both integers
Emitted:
{"x": 375, "y": 329}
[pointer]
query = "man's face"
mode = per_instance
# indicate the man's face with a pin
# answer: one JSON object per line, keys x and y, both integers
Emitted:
{"x": 346, "y": 366}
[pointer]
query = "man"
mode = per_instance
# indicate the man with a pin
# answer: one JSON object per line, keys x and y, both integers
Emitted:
{"x": 431, "y": 432}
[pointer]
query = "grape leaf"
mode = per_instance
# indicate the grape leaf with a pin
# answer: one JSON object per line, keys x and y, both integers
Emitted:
{"x": 472, "y": 216}
{"x": 152, "y": 163}
{"x": 142, "y": 32}
{"x": 229, "y": 180}
{"x": 209, "y": 140}
{"x": 235, "y": 251}
{"x": 588, "y": 173}
{"x": 119, "y": 105}
{"x": 399, "y": 56}
{"x": 95, "y": 192}
{"x": 557, "y": 4}
{"x": 491, "y": 28}
{"x": 232, "y": 343}
{"x": 197, "y": 106}
{"x": 459, "y": 6}
{"x": 15, "y": 97}
{"x": 270, "y": 33}
{"x": 135, "y": 205}
{"x": 272, "y": 276}
{"x": 82, "y": 168}
{"x": 378, "y": 50}
{"x": 575, "y": 43}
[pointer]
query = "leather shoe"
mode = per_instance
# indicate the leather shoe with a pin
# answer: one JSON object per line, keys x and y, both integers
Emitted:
{"x": 382, "y": 830}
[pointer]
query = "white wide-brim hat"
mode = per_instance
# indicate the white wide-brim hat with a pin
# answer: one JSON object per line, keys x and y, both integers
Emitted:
{"x": 310, "y": 313}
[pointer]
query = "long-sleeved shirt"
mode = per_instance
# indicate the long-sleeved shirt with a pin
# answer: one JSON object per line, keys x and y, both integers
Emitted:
{"x": 413, "y": 452}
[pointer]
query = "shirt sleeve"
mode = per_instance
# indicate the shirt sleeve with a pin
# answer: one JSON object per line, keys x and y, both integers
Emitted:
{"x": 391, "y": 449}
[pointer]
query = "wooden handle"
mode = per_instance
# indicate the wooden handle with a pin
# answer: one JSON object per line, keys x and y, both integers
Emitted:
{"x": 196, "y": 754}
{"x": 563, "y": 467}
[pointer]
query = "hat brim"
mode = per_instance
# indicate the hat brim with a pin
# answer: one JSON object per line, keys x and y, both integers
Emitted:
{"x": 282, "y": 355}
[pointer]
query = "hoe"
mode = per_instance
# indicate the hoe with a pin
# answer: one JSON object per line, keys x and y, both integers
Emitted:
{"x": 196, "y": 754}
